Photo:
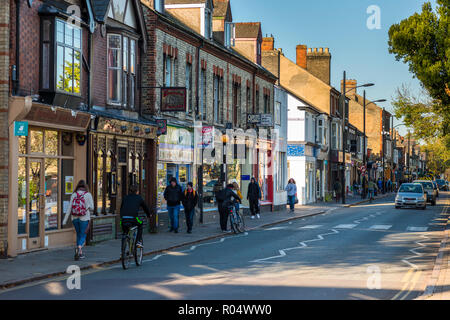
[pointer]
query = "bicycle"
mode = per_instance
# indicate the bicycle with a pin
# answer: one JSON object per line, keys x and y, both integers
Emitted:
{"x": 130, "y": 250}
{"x": 236, "y": 219}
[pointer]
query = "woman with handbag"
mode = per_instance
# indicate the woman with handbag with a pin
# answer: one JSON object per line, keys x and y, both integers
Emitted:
{"x": 80, "y": 207}
{"x": 291, "y": 189}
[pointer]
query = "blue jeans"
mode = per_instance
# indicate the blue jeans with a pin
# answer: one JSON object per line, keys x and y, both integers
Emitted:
{"x": 80, "y": 228}
{"x": 173, "y": 216}
{"x": 291, "y": 200}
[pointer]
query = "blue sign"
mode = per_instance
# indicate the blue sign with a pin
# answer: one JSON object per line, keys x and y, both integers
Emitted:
{"x": 20, "y": 129}
{"x": 295, "y": 150}
{"x": 245, "y": 178}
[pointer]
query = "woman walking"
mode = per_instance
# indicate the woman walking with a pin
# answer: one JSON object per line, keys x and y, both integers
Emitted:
{"x": 291, "y": 189}
{"x": 80, "y": 207}
{"x": 253, "y": 196}
{"x": 190, "y": 200}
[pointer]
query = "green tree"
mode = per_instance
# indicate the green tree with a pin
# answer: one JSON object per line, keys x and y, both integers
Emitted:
{"x": 438, "y": 156}
{"x": 423, "y": 42}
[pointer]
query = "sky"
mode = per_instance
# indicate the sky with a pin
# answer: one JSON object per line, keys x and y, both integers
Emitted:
{"x": 341, "y": 26}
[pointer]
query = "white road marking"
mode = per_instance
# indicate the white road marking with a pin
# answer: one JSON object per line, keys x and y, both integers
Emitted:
{"x": 345, "y": 226}
{"x": 311, "y": 227}
{"x": 417, "y": 229}
{"x": 381, "y": 227}
{"x": 277, "y": 228}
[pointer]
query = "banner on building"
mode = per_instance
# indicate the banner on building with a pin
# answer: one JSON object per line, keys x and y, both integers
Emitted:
{"x": 207, "y": 137}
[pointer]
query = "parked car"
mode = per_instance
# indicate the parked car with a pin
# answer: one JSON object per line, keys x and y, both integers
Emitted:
{"x": 208, "y": 191}
{"x": 435, "y": 185}
{"x": 442, "y": 184}
{"x": 411, "y": 195}
{"x": 430, "y": 190}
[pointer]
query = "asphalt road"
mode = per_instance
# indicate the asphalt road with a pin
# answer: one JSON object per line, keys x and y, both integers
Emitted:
{"x": 366, "y": 252}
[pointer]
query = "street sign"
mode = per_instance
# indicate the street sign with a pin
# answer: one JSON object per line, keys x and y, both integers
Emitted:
{"x": 173, "y": 99}
{"x": 266, "y": 120}
{"x": 20, "y": 128}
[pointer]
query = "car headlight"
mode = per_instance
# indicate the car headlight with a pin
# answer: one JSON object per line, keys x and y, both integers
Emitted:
{"x": 398, "y": 198}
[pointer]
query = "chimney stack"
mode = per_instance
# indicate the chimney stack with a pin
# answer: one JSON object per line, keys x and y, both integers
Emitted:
{"x": 319, "y": 63}
{"x": 301, "y": 56}
{"x": 268, "y": 44}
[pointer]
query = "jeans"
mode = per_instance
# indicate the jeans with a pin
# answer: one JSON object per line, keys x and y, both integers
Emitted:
{"x": 291, "y": 201}
{"x": 189, "y": 218}
{"x": 173, "y": 216}
{"x": 223, "y": 213}
{"x": 80, "y": 228}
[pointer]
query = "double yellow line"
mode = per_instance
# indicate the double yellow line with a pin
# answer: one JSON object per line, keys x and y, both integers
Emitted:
{"x": 410, "y": 281}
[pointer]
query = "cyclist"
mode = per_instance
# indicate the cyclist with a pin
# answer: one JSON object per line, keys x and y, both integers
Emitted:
{"x": 129, "y": 213}
{"x": 224, "y": 201}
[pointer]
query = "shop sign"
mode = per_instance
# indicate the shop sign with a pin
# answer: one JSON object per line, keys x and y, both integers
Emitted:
{"x": 173, "y": 99}
{"x": 177, "y": 145}
{"x": 266, "y": 120}
{"x": 253, "y": 118}
{"x": 207, "y": 137}
{"x": 162, "y": 126}
{"x": 245, "y": 178}
{"x": 20, "y": 128}
{"x": 296, "y": 150}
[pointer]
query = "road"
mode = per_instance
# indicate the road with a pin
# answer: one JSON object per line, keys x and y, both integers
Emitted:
{"x": 366, "y": 252}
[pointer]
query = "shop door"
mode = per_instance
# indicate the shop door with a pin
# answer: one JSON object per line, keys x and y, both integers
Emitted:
{"x": 124, "y": 182}
{"x": 36, "y": 204}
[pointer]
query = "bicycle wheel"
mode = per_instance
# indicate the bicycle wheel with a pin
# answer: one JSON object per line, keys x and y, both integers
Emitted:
{"x": 241, "y": 224}
{"x": 233, "y": 223}
{"x": 138, "y": 254}
{"x": 125, "y": 257}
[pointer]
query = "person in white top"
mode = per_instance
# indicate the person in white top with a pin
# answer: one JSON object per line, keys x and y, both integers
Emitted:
{"x": 80, "y": 207}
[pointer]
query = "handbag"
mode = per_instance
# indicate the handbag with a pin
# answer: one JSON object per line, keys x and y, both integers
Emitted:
{"x": 296, "y": 199}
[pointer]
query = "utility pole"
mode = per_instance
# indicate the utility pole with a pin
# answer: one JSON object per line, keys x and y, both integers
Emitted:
{"x": 364, "y": 121}
{"x": 408, "y": 157}
{"x": 383, "y": 147}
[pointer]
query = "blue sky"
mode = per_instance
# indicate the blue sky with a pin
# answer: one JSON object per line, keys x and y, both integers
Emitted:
{"x": 342, "y": 27}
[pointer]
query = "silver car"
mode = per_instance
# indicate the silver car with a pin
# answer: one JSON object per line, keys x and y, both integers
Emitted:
{"x": 411, "y": 195}
{"x": 430, "y": 190}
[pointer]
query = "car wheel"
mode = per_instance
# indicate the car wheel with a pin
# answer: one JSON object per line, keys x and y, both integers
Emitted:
{"x": 397, "y": 207}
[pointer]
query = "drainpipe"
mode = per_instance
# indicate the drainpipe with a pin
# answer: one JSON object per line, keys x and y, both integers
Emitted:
{"x": 16, "y": 84}
{"x": 200, "y": 167}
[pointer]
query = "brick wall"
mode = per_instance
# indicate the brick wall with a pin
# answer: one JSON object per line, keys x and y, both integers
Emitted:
{"x": 4, "y": 147}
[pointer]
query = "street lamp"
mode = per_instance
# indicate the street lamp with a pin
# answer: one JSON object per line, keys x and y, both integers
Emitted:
{"x": 365, "y": 106}
{"x": 344, "y": 123}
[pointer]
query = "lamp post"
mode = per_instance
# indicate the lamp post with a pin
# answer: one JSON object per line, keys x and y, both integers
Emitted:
{"x": 365, "y": 105}
{"x": 344, "y": 124}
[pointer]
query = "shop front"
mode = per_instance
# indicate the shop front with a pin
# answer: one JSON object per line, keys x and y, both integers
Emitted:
{"x": 265, "y": 173}
{"x": 175, "y": 160}
{"x": 122, "y": 154}
{"x": 48, "y": 158}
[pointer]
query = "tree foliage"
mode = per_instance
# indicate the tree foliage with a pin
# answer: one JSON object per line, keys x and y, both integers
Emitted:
{"x": 423, "y": 42}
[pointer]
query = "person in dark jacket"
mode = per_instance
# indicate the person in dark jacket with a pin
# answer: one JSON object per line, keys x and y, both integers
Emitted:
{"x": 129, "y": 213}
{"x": 224, "y": 200}
{"x": 253, "y": 196}
{"x": 173, "y": 195}
{"x": 190, "y": 200}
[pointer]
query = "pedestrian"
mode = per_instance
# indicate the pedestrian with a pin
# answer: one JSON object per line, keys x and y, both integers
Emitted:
{"x": 80, "y": 207}
{"x": 224, "y": 199}
{"x": 237, "y": 190}
{"x": 372, "y": 187}
{"x": 291, "y": 189}
{"x": 364, "y": 186}
{"x": 355, "y": 188}
{"x": 173, "y": 195}
{"x": 190, "y": 200}
{"x": 254, "y": 196}
{"x": 337, "y": 187}
{"x": 380, "y": 185}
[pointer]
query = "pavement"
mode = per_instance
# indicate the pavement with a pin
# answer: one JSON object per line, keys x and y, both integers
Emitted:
{"x": 51, "y": 263}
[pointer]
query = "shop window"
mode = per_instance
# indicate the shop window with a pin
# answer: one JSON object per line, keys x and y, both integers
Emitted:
{"x": 34, "y": 178}
{"x": 100, "y": 182}
{"x": 51, "y": 194}
{"x": 23, "y": 145}
{"x": 67, "y": 177}
{"x": 51, "y": 143}
{"x": 162, "y": 184}
{"x": 111, "y": 183}
{"x": 37, "y": 141}
{"x": 22, "y": 197}
{"x": 211, "y": 183}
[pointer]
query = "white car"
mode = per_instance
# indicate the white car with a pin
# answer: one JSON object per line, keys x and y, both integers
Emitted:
{"x": 411, "y": 195}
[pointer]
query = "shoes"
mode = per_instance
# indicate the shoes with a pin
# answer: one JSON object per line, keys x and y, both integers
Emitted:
{"x": 82, "y": 256}
{"x": 189, "y": 231}
{"x": 176, "y": 231}
{"x": 171, "y": 230}
{"x": 258, "y": 216}
{"x": 76, "y": 257}
{"x": 226, "y": 231}
{"x": 253, "y": 217}
{"x": 139, "y": 245}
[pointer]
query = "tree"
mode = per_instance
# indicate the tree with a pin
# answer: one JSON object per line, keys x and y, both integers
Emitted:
{"x": 437, "y": 156}
{"x": 423, "y": 42}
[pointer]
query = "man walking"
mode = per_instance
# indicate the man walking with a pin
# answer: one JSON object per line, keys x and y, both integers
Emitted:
{"x": 173, "y": 195}
{"x": 337, "y": 189}
{"x": 253, "y": 196}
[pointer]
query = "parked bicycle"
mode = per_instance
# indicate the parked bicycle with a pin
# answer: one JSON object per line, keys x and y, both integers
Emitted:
{"x": 129, "y": 248}
{"x": 236, "y": 219}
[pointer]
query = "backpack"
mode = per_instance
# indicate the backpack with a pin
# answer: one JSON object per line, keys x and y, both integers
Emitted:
{"x": 221, "y": 195}
{"x": 79, "y": 205}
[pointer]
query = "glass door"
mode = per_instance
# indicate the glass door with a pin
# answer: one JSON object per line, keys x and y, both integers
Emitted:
{"x": 36, "y": 203}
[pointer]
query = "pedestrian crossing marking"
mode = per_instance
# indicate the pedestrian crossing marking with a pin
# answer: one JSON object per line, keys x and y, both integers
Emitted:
{"x": 277, "y": 228}
{"x": 381, "y": 227}
{"x": 345, "y": 226}
{"x": 311, "y": 227}
{"x": 417, "y": 229}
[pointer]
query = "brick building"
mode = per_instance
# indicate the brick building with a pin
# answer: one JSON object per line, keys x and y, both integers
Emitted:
{"x": 76, "y": 83}
{"x": 186, "y": 49}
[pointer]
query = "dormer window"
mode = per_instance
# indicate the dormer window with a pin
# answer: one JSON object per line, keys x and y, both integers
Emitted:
{"x": 208, "y": 23}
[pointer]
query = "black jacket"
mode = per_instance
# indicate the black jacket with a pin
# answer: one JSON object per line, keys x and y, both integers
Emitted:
{"x": 190, "y": 200}
{"x": 131, "y": 205}
{"x": 173, "y": 195}
{"x": 254, "y": 192}
{"x": 227, "y": 197}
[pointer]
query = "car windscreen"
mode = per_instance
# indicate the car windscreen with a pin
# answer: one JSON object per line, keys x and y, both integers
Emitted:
{"x": 410, "y": 189}
{"x": 427, "y": 185}
{"x": 440, "y": 181}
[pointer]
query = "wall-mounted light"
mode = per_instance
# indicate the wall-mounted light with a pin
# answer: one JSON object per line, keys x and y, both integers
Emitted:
{"x": 81, "y": 139}
{"x": 137, "y": 129}
{"x": 124, "y": 128}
